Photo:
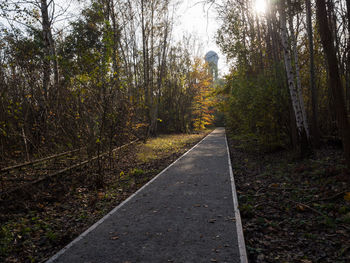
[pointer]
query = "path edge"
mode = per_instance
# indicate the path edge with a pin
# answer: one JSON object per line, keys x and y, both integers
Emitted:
{"x": 114, "y": 210}
{"x": 239, "y": 227}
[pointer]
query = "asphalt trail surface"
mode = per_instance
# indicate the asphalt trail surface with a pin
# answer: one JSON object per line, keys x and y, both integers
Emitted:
{"x": 185, "y": 215}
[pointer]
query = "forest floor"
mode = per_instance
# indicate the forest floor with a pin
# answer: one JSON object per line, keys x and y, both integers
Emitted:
{"x": 37, "y": 224}
{"x": 293, "y": 210}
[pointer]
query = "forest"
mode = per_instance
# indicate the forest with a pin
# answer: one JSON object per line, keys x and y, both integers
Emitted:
{"x": 114, "y": 73}
{"x": 78, "y": 93}
{"x": 288, "y": 88}
{"x": 290, "y": 82}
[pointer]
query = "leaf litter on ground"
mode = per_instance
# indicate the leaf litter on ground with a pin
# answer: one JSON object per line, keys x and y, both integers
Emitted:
{"x": 293, "y": 210}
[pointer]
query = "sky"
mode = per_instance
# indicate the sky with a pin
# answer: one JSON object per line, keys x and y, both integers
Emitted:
{"x": 201, "y": 21}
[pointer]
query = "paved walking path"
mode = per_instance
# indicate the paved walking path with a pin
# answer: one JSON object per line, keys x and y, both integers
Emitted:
{"x": 187, "y": 213}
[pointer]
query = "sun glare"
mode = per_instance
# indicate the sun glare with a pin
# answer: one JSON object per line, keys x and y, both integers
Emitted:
{"x": 260, "y": 6}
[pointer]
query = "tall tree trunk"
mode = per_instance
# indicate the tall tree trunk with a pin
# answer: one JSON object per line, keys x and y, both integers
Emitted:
{"x": 334, "y": 77}
{"x": 244, "y": 31}
{"x": 116, "y": 42}
{"x": 269, "y": 41}
{"x": 153, "y": 108}
{"x": 314, "y": 101}
{"x": 145, "y": 64}
{"x": 49, "y": 51}
{"x": 261, "y": 63}
{"x": 294, "y": 94}
{"x": 271, "y": 23}
{"x": 332, "y": 22}
{"x": 297, "y": 69}
{"x": 46, "y": 62}
{"x": 348, "y": 57}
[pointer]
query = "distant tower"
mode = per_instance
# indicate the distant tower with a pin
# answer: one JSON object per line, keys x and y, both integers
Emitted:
{"x": 212, "y": 58}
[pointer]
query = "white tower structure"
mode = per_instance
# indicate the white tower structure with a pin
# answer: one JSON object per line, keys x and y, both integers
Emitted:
{"x": 212, "y": 59}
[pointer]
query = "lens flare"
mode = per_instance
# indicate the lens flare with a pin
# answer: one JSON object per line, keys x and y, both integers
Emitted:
{"x": 260, "y": 6}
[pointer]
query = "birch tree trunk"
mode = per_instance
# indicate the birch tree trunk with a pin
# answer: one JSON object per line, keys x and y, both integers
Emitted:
{"x": 293, "y": 89}
{"x": 297, "y": 69}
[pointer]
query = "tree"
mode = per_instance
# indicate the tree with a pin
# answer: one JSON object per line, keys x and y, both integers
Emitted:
{"x": 203, "y": 87}
{"x": 49, "y": 47}
{"x": 294, "y": 89}
{"x": 334, "y": 76}
{"x": 314, "y": 101}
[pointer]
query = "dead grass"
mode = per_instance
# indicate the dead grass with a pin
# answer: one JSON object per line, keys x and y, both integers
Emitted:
{"x": 161, "y": 146}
